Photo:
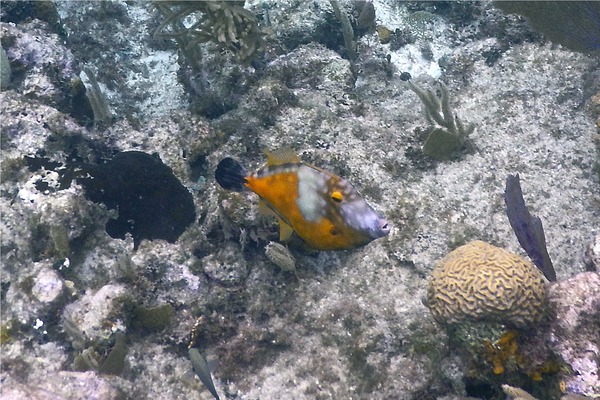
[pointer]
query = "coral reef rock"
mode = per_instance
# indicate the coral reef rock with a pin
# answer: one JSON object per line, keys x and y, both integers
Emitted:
{"x": 575, "y": 334}
{"x": 479, "y": 281}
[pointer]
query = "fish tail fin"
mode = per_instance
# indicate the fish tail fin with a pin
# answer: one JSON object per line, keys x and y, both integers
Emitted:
{"x": 231, "y": 175}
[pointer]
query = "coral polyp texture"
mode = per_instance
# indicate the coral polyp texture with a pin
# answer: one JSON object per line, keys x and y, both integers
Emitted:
{"x": 479, "y": 281}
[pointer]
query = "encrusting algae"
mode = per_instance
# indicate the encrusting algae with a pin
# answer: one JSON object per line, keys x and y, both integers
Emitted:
{"x": 499, "y": 353}
{"x": 506, "y": 355}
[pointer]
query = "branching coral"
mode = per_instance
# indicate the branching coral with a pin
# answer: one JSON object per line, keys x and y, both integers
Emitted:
{"x": 448, "y": 132}
{"x": 225, "y": 23}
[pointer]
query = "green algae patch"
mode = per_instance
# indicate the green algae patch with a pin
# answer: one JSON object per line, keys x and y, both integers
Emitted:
{"x": 153, "y": 319}
{"x": 115, "y": 361}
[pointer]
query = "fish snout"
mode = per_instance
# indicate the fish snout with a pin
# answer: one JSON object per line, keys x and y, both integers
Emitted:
{"x": 384, "y": 227}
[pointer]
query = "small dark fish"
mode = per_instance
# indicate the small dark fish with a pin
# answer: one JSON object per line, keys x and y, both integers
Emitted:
{"x": 528, "y": 228}
{"x": 203, "y": 371}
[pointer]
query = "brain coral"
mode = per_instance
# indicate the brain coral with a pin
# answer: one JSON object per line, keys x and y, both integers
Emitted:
{"x": 479, "y": 281}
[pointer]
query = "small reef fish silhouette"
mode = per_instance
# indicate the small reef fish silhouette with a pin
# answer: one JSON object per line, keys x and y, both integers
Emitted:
{"x": 528, "y": 228}
{"x": 202, "y": 369}
{"x": 323, "y": 209}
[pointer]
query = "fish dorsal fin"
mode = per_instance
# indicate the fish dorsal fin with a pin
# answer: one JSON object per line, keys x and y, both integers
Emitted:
{"x": 283, "y": 155}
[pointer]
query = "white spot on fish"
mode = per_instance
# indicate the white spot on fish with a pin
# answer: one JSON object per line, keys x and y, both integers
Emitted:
{"x": 311, "y": 184}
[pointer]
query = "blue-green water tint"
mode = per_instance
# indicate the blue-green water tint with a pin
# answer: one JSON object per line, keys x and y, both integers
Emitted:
{"x": 574, "y": 24}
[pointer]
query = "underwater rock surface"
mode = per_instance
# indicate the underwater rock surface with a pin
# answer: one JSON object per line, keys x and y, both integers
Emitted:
{"x": 343, "y": 324}
{"x": 575, "y": 335}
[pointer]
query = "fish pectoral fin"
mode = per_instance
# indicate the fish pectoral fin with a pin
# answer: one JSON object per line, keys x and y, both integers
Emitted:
{"x": 266, "y": 209}
{"x": 285, "y": 231}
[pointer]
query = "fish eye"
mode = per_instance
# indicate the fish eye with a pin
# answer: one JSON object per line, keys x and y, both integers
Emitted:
{"x": 337, "y": 196}
{"x": 333, "y": 230}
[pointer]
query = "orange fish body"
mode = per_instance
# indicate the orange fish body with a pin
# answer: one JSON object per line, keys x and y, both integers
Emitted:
{"x": 322, "y": 208}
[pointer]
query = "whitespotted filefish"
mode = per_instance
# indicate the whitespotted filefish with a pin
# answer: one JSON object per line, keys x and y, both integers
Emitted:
{"x": 323, "y": 209}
